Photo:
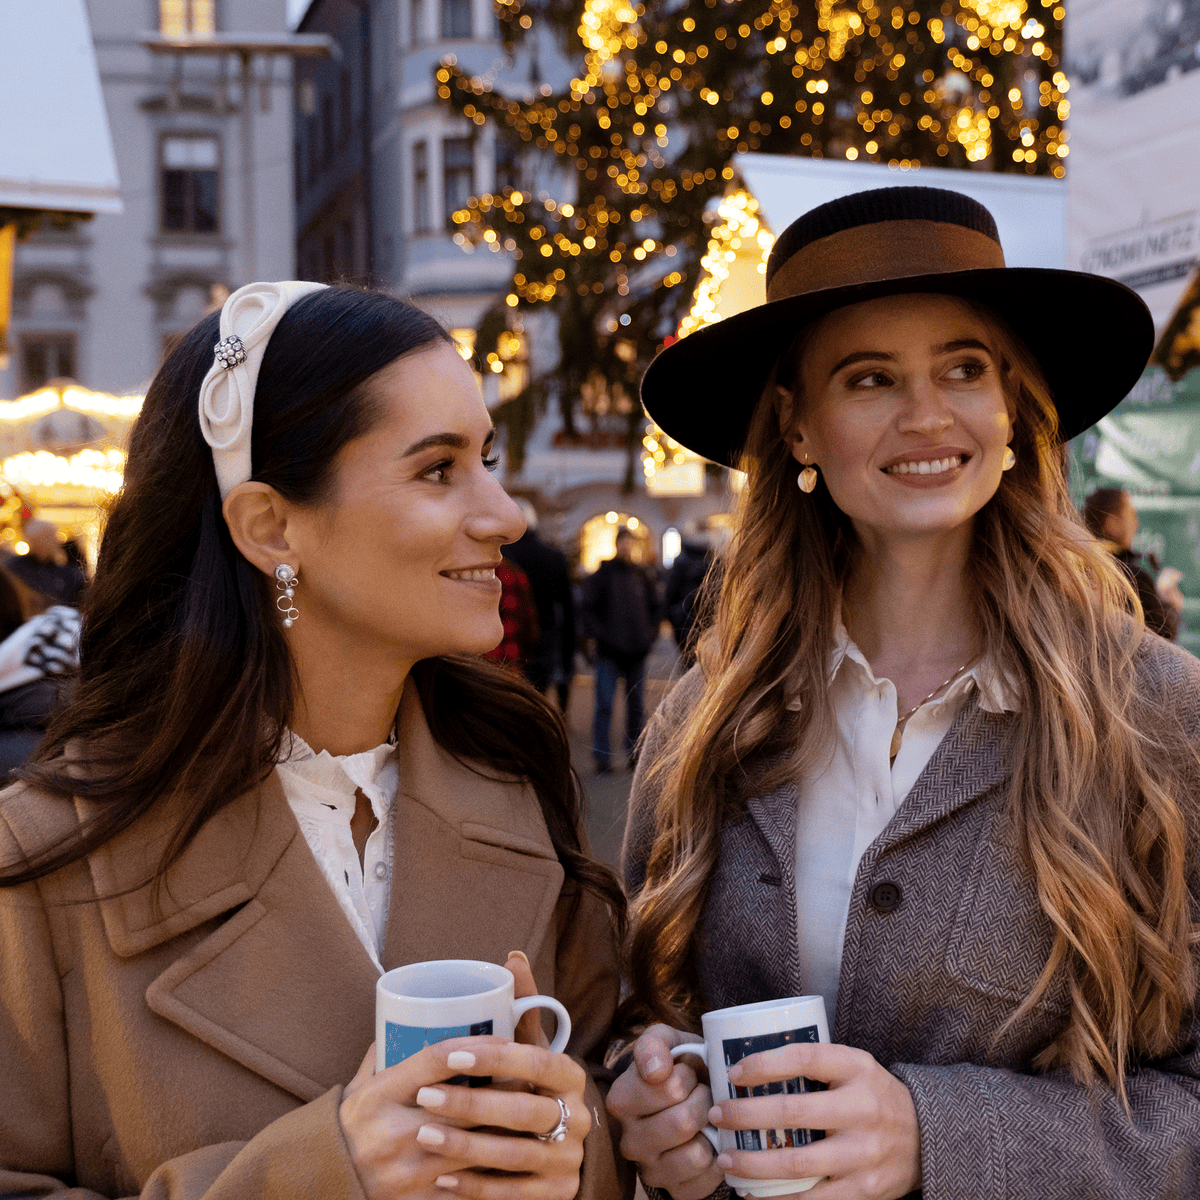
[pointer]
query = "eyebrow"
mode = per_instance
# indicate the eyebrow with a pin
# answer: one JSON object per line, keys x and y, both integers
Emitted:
{"x": 455, "y": 441}
{"x": 884, "y": 356}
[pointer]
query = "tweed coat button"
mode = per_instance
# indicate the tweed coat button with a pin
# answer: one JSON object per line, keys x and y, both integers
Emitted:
{"x": 885, "y": 897}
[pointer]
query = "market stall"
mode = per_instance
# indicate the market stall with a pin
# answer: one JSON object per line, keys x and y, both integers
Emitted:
{"x": 62, "y": 456}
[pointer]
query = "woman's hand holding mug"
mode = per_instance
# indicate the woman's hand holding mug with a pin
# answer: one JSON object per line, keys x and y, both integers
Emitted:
{"x": 872, "y": 1144}
{"x": 415, "y": 1130}
{"x": 779, "y": 1131}
{"x": 662, "y": 1106}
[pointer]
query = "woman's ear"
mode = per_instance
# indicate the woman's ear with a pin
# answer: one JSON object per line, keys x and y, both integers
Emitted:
{"x": 801, "y": 452}
{"x": 257, "y": 518}
{"x": 785, "y": 411}
{"x": 789, "y": 423}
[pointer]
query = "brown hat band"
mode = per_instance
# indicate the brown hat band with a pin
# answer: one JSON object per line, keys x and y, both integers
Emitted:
{"x": 884, "y": 250}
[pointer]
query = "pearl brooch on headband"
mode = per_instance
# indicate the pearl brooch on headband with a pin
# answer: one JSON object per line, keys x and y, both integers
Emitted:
{"x": 230, "y": 352}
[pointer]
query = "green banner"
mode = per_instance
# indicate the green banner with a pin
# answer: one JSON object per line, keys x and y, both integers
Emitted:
{"x": 1150, "y": 446}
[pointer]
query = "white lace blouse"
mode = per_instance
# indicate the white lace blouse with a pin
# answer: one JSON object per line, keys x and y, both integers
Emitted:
{"x": 320, "y": 789}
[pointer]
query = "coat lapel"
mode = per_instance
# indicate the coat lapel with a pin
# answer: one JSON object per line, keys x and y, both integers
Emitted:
{"x": 475, "y": 872}
{"x": 224, "y": 865}
{"x": 283, "y": 986}
{"x": 775, "y": 816}
{"x": 285, "y": 961}
{"x": 969, "y": 761}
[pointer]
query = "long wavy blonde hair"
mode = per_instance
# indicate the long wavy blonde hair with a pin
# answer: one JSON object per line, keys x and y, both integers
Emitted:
{"x": 1104, "y": 779}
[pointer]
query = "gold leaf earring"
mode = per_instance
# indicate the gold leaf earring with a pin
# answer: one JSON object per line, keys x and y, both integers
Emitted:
{"x": 807, "y": 479}
{"x": 1010, "y": 459}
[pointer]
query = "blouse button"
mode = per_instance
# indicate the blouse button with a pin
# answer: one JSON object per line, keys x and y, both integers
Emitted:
{"x": 885, "y": 897}
{"x": 381, "y": 870}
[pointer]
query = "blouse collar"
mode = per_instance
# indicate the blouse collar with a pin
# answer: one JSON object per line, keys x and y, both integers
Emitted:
{"x": 996, "y": 687}
{"x": 341, "y": 774}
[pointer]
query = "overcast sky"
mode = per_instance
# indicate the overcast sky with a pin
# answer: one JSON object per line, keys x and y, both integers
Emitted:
{"x": 295, "y": 11}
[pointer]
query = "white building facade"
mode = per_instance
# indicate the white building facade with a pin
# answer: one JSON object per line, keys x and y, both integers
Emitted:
{"x": 100, "y": 302}
{"x": 381, "y": 163}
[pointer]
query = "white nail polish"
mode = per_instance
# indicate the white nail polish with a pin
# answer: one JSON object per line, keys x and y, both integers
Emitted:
{"x": 460, "y": 1058}
{"x": 427, "y": 1135}
{"x": 446, "y": 1181}
{"x": 429, "y": 1097}
{"x": 653, "y": 1064}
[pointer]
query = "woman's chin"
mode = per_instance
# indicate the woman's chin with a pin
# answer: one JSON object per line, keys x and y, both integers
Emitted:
{"x": 485, "y": 643}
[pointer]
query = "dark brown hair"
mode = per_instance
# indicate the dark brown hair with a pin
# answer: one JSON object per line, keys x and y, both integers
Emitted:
{"x": 185, "y": 682}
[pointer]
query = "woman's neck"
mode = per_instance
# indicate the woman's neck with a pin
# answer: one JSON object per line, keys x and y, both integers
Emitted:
{"x": 908, "y": 608}
{"x": 346, "y": 696}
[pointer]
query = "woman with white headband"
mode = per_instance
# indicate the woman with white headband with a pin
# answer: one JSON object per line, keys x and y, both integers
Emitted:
{"x": 285, "y": 770}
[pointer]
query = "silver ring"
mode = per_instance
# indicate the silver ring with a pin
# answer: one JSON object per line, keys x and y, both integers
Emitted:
{"x": 559, "y": 1132}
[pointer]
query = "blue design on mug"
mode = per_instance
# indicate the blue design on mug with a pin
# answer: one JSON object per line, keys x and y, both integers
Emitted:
{"x": 403, "y": 1041}
{"x": 772, "y": 1139}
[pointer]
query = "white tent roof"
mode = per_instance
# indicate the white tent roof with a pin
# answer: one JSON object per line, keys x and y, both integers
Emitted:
{"x": 56, "y": 151}
{"x": 1030, "y": 212}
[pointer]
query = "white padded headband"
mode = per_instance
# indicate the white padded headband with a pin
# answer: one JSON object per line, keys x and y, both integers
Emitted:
{"x": 248, "y": 318}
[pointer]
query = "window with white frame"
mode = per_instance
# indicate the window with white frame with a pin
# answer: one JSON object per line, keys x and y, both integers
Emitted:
{"x": 456, "y": 19}
{"x": 422, "y": 206}
{"x": 197, "y": 18}
{"x": 458, "y": 176}
{"x": 46, "y": 356}
{"x": 189, "y": 167}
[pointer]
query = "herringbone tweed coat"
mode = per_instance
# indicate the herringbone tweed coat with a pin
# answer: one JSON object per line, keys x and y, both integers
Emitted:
{"x": 934, "y": 966}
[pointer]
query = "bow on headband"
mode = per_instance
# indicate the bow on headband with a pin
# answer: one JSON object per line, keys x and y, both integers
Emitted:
{"x": 248, "y": 318}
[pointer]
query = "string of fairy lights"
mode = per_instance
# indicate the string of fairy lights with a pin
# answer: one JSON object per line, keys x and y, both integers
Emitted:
{"x": 738, "y": 230}
{"x": 627, "y": 121}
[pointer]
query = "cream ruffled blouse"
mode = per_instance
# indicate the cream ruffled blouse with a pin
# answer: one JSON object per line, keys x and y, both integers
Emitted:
{"x": 320, "y": 789}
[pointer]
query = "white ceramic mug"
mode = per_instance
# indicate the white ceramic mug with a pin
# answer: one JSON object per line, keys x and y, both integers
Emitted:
{"x": 428, "y": 1002}
{"x": 731, "y": 1034}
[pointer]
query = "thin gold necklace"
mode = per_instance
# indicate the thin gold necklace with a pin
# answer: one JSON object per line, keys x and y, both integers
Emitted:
{"x": 898, "y": 736}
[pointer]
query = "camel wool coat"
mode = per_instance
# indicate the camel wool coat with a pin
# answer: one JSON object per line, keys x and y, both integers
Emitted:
{"x": 198, "y": 1049}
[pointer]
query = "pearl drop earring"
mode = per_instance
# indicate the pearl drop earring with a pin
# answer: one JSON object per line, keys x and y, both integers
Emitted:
{"x": 285, "y": 581}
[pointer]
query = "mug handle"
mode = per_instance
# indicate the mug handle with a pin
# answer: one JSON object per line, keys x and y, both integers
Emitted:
{"x": 700, "y": 1050}
{"x": 563, "y": 1031}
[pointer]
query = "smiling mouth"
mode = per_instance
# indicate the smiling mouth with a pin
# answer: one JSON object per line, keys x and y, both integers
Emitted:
{"x": 473, "y": 575}
{"x": 926, "y": 466}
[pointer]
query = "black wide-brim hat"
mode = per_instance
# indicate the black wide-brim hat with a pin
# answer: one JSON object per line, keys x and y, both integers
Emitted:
{"x": 1091, "y": 336}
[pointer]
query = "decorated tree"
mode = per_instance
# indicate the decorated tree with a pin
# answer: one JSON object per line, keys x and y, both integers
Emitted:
{"x": 666, "y": 95}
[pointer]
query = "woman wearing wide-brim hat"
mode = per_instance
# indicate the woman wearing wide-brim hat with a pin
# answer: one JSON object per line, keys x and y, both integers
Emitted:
{"x": 927, "y": 767}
